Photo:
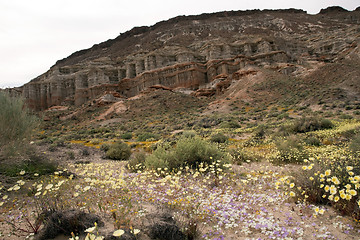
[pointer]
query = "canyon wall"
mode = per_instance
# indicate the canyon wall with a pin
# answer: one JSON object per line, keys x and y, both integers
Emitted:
{"x": 190, "y": 52}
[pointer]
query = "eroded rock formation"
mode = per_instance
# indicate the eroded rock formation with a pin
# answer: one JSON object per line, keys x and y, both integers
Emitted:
{"x": 194, "y": 51}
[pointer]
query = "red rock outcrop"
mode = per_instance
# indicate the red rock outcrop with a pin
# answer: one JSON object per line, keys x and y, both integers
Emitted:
{"x": 191, "y": 52}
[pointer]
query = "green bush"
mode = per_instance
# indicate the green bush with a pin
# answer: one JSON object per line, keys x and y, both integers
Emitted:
{"x": 219, "y": 138}
{"x": 34, "y": 163}
{"x": 240, "y": 156}
{"x": 137, "y": 161}
{"x": 289, "y": 150}
{"x": 126, "y": 136}
{"x": 187, "y": 152}
{"x": 260, "y": 133}
{"x": 312, "y": 141}
{"x": 308, "y": 124}
{"x": 119, "y": 151}
{"x": 188, "y": 134}
{"x": 16, "y": 122}
{"x": 229, "y": 124}
{"x": 355, "y": 145}
{"x": 105, "y": 147}
{"x": 147, "y": 136}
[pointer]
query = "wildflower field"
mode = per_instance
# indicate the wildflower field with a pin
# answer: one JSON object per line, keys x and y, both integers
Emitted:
{"x": 291, "y": 179}
{"x": 317, "y": 199}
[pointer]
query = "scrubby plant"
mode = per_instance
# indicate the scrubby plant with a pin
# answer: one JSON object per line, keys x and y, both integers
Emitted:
{"x": 308, "y": 124}
{"x": 105, "y": 147}
{"x": 33, "y": 164}
{"x": 230, "y": 124}
{"x": 333, "y": 180}
{"x": 119, "y": 151}
{"x": 260, "y": 133}
{"x": 71, "y": 155}
{"x": 219, "y": 138}
{"x": 188, "y": 134}
{"x": 126, "y": 136}
{"x": 355, "y": 145}
{"x": 137, "y": 161}
{"x": 289, "y": 150}
{"x": 147, "y": 136}
{"x": 312, "y": 141}
{"x": 16, "y": 123}
{"x": 188, "y": 151}
{"x": 240, "y": 156}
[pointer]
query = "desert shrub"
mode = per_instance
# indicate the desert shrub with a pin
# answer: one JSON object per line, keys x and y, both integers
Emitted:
{"x": 283, "y": 116}
{"x": 119, "y": 151}
{"x": 332, "y": 181}
{"x": 240, "y": 156}
{"x": 308, "y": 124}
{"x": 188, "y": 134}
{"x": 188, "y": 151}
{"x": 105, "y": 147}
{"x": 85, "y": 152}
{"x": 312, "y": 141}
{"x": 283, "y": 131}
{"x": 34, "y": 163}
{"x": 147, "y": 136}
{"x": 350, "y": 133}
{"x": 67, "y": 222}
{"x": 137, "y": 161}
{"x": 71, "y": 155}
{"x": 16, "y": 122}
{"x": 346, "y": 116}
{"x": 52, "y": 147}
{"x": 126, "y": 136}
{"x": 207, "y": 122}
{"x": 289, "y": 150}
{"x": 219, "y": 138}
{"x": 230, "y": 124}
{"x": 355, "y": 145}
{"x": 260, "y": 133}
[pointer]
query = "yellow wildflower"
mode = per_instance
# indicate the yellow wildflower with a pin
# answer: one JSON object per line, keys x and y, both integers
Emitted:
{"x": 349, "y": 168}
{"x": 333, "y": 190}
{"x": 335, "y": 180}
{"x": 352, "y": 192}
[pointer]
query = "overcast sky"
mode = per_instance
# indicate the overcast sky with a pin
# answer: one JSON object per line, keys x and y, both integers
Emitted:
{"x": 34, "y": 34}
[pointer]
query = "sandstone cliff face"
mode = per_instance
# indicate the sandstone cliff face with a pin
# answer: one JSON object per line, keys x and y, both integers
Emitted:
{"x": 191, "y": 52}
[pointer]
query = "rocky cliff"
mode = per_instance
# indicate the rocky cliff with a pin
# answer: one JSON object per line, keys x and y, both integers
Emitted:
{"x": 200, "y": 53}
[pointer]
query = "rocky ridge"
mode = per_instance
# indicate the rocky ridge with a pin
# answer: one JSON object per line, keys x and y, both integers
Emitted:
{"x": 203, "y": 55}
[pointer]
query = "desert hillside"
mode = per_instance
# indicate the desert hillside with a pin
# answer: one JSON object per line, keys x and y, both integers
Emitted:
{"x": 231, "y": 125}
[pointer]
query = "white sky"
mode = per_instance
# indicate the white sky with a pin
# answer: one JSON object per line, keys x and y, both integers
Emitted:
{"x": 34, "y": 34}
